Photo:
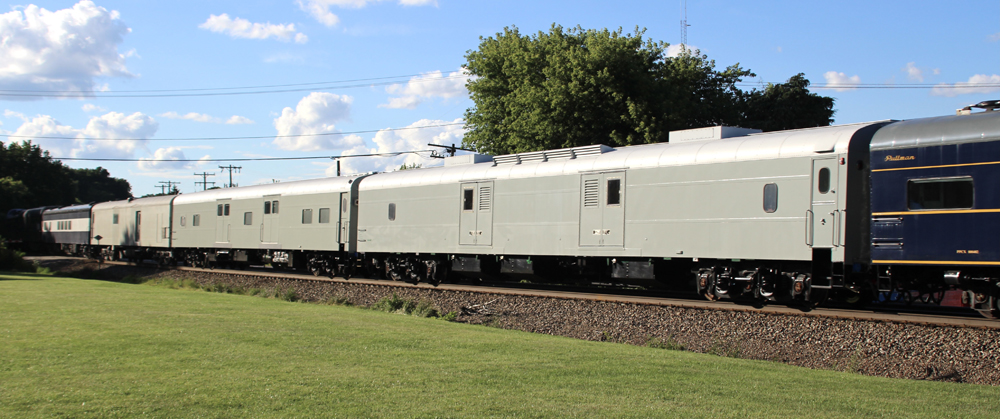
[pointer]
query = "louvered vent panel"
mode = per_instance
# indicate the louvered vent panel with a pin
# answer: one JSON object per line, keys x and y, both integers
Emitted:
{"x": 485, "y": 198}
{"x": 591, "y": 193}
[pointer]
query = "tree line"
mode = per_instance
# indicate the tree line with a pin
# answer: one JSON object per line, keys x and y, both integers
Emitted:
{"x": 569, "y": 88}
{"x": 29, "y": 178}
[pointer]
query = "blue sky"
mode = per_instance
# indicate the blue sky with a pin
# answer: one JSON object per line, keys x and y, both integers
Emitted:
{"x": 415, "y": 49}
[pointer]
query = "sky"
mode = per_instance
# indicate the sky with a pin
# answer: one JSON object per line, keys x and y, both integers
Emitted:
{"x": 202, "y": 80}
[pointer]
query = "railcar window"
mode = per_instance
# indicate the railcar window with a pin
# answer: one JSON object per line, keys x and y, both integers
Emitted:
{"x": 324, "y": 216}
{"x": 195, "y": 220}
{"x": 165, "y": 231}
{"x": 219, "y": 210}
{"x": 225, "y": 210}
{"x": 343, "y": 206}
{"x": 949, "y": 193}
{"x": 770, "y": 197}
{"x": 307, "y": 216}
{"x": 392, "y": 212}
{"x": 467, "y": 199}
{"x": 267, "y": 207}
{"x": 824, "y": 180}
{"x": 183, "y": 221}
{"x": 614, "y": 191}
{"x": 247, "y": 218}
{"x": 274, "y": 207}
{"x": 114, "y": 219}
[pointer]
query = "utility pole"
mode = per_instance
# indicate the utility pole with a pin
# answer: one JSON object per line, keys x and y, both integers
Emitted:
{"x": 231, "y": 168}
{"x": 204, "y": 180}
{"x": 167, "y": 186}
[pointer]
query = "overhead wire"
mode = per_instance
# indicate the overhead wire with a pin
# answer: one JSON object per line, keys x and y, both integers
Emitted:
{"x": 389, "y": 154}
{"x": 257, "y": 137}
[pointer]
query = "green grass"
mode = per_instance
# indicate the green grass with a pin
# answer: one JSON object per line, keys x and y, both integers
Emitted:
{"x": 83, "y": 348}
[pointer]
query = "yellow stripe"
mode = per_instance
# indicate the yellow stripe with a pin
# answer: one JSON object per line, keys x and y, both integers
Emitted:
{"x": 932, "y": 262}
{"x": 971, "y": 211}
{"x": 935, "y": 167}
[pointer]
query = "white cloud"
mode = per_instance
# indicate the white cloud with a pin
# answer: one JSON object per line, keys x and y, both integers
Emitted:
{"x": 172, "y": 154}
{"x": 427, "y": 85}
{"x": 90, "y": 107}
{"x": 315, "y": 114}
{"x": 320, "y": 9}
{"x": 974, "y": 85}
{"x": 676, "y": 49}
{"x": 238, "y": 120}
{"x": 201, "y": 117}
{"x": 63, "y": 51}
{"x": 840, "y": 82}
{"x": 192, "y": 116}
{"x": 242, "y": 28}
{"x": 128, "y": 134}
{"x": 387, "y": 141}
{"x": 914, "y": 73}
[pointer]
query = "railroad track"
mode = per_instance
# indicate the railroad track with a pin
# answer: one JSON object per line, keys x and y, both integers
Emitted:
{"x": 902, "y": 314}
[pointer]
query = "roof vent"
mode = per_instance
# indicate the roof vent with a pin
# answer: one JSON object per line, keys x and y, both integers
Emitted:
{"x": 709, "y": 133}
{"x": 467, "y": 159}
{"x": 549, "y": 155}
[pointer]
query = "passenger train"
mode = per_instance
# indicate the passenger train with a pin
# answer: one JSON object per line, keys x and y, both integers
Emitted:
{"x": 908, "y": 209}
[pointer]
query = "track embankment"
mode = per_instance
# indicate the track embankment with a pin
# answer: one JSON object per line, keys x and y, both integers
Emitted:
{"x": 883, "y": 345}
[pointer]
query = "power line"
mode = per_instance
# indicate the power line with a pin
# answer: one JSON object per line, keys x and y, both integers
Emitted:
{"x": 391, "y": 154}
{"x": 230, "y": 168}
{"x": 260, "y": 137}
{"x": 219, "y": 88}
{"x": 204, "y": 180}
{"x": 70, "y": 95}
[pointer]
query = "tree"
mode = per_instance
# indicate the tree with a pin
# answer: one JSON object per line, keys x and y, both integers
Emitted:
{"x": 97, "y": 185}
{"x": 29, "y": 177}
{"x": 787, "y": 105}
{"x": 579, "y": 87}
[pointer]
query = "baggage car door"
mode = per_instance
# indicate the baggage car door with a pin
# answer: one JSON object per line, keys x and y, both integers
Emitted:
{"x": 823, "y": 218}
{"x": 345, "y": 217}
{"x": 222, "y": 221}
{"x": 476, "y": 219}
{"x": 269, "y": 222}
{"x": 602, "y": 209}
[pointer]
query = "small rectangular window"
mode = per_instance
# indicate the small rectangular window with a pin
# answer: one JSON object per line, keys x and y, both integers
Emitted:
{"x": 114, "y": 219}
{"x": 196, "y": 220}
{"x": 307, "y": 216}
{"x": 183, "y": 221}
{"x": 166, "y": 231}
{"x": 274, "y": 207}
{"x": 225, "y": 211}
{"x": 770, "y": 197}
{"x": 467, "y": 199}
{"x": 219, "y": 210}
{"x": 247, "y": 218}
{"x": 614, "y": 191}
{"x": 324, "y": 215}
{"x": 343, "y": 206}
{"x": 947, "y": 193}
{"x": 267, "y": 207}
{"x": 392, "y": 212}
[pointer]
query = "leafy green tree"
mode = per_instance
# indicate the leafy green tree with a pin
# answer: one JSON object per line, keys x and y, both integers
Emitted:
{"x": 787, "y": 105}
{"x": 568, "y": 88}
{"x": 29, "y": 177}
{"x": 97, "y": 185}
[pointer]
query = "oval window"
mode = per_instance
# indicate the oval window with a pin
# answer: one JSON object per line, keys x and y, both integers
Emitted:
{"x": 823, "y": 181}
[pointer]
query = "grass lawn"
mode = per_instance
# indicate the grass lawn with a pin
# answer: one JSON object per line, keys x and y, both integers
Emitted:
{"x": 79, "y": 348}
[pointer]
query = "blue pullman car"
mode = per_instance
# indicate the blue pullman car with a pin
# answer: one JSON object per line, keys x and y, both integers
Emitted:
{"x": 935, "y": 202}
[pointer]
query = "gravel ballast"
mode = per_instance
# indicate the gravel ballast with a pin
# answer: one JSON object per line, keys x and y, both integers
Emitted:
{"x": 877, "y": 348}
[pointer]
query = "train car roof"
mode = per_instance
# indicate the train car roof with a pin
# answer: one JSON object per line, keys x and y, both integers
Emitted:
{"x": 300, "y": 187}
{"x": 71, "y": 208}
{"x": 941, "y": 130}
{"x": 762, "y": 146}
{"x": 125, "y": 203}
